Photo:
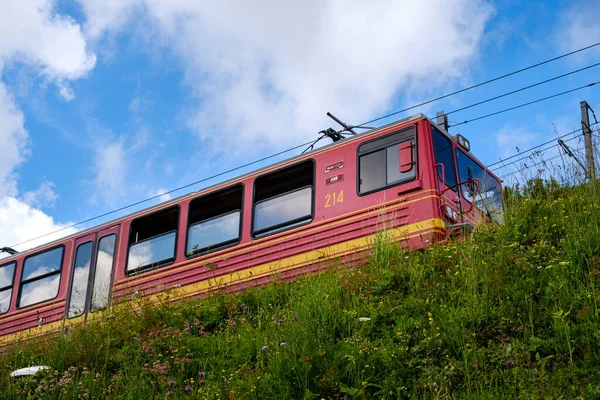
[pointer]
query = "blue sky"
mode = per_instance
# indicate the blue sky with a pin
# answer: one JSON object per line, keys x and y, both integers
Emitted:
{"x": 106, "y": 103}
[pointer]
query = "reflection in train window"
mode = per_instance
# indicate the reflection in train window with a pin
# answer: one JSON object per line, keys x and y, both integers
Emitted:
{"x": 7, "y": 273}
{"x": 41, "y": 277}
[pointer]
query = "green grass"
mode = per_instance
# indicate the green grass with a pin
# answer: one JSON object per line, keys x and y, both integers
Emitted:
{"x": 508, "y": 312}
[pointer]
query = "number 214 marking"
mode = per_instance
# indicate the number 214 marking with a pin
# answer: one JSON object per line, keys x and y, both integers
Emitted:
{"x": 334, "y": 199}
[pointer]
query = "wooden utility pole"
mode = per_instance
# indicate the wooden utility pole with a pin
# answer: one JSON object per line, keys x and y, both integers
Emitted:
{"x": 587, "y": 137}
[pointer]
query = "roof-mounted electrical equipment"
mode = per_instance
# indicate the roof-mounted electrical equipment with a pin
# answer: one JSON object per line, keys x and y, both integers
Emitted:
{"x": 462, "y": 141}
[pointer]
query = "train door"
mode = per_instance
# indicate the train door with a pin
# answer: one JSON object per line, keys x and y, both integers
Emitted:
{"x": 91, "y": 282}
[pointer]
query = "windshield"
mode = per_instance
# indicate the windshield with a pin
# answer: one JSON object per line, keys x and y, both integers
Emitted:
{"x": 479, "y": 183}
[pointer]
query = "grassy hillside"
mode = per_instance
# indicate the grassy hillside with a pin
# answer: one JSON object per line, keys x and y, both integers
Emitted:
{"x": 510, "y": 312}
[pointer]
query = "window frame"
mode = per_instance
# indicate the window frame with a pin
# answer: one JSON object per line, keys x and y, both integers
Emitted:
{"x": 384, "y": 147}
{"x": 275, "y": 229}
{"x": 112, "y": 270}
{"x": 40, "y": 277}
{"x": 148, "y": 267}
{"x": 454, "y": 158}
{"x": 223, "y": 245}
{"x": 70, "y": 291}
{"x": 483, "y": 169}
{"x": 458, "y": 184}
{"x": 12, "y": 285}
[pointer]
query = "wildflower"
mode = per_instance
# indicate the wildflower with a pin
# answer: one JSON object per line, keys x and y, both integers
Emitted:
{"x": 509, "y": 363}
{"x": 187, "y": 389}
{"x": 169, "y": 393}
{"x": 364, "y": 319}
{"x": 245, "y": 311}
{"x": 265, "y": 347}
{"x": 201, "y": 382}
{"x": 172, "y": 383}
{"x": 202, "y": 373}
{"x": 282, "y": 344}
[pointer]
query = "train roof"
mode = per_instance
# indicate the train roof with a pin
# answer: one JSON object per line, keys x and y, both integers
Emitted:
{"x": 223, "y": 183}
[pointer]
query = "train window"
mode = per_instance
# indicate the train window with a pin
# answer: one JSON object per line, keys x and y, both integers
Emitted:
{"x": 103, "y": 272}
{"x": 81, "y": 275}
{"x": 152, "y": 240}
{"x": 283, "y": 199}
{"x": 379, "y": 164}
{"x": 478, "y": 184}
{"x": 7, "y": 273}
{"x": 442, "y": 147}
{"x": 215, "y": 221}
{"x": 41, "y": 277}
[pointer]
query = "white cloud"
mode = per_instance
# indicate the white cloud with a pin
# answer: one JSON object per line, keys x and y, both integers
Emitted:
{"x": 14, "y": 141}
{"x": 162, "y": 194}
{"x": 267, "y": 72}
{"x": 53, "y": 45}
{"x": 20, "y": 222}
{"x": 578, "y": 27}
{"x": 109, "y": 170}
{"x": 510, "y": 139}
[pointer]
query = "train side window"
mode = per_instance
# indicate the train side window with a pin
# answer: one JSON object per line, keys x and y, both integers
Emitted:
{"x": 379, "y": 164}
{"x": 81, "y": 275}
{"x": 41, "y": 277}
{"x": 215, "y": 221}
{"x": 103, "y": 272}
{"x": 442, "y": 147}
{"x": 283, "y": 199}
{"x": 152, "y": 240}
{"x": 7, "y": 274}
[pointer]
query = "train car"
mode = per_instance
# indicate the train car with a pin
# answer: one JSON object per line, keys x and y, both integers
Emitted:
{"x": 295, "y": 217}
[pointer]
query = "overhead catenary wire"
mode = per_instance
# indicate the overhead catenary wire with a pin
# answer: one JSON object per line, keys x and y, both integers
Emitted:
{"x": 525, "y": 104}
{"x": 525, "y": 157}
{"x": 523, "y": 154}
{"x": 480, "y": 84}
{"x": 526, "y": 167}
{"x": 137, "y": 203}
{"x": 498, "y": 78}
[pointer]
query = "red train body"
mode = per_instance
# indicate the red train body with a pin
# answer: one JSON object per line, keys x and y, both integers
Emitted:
{"x": 317, "y": 209}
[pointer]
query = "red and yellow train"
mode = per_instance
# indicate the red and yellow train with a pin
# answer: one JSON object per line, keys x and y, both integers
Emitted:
{"x": 297, "y": 216}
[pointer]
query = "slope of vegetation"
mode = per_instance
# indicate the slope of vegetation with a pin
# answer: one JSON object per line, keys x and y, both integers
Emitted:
{"x": 509, "y": 312}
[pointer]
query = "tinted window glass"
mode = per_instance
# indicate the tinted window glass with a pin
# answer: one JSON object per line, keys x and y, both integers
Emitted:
{"x": 41, "y": 277}
{"x": 283, "y": 199}
{"x": 481, "y": 186}
{"x": 214, "y": 232}
{"x": 372, "y": 171}
{"x": 215, "y": 220}
{"x": 7, "y": 273}
{"x": 103, "y": 273}
{"x": 442, "y": 147}
{"x": 291, "y": 207}
{"x": 152, "y": 240}
{"x": 393, "y": 166}
{"x": 379, "y": 163}
{"x": 81, "y": 274}
{"x": 152, "y": 252}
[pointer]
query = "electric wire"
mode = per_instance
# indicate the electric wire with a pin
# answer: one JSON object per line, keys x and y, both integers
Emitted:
{"x": 358, "y": 126}
{"x": 525, "y": 104}
{"x": 505, "y": 177}
{"x": 525, "y": 157}
{"x": 479, "y": 84}
{"x": 137, "y": 203}
{"x": 523, "y": 154}
{"x": 520, "y": 90}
